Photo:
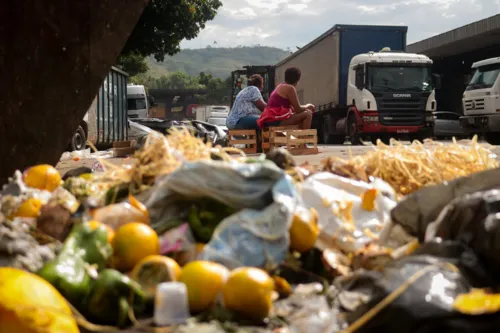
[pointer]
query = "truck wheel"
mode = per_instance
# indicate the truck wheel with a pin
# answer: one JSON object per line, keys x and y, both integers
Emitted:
{"x": 79, "y": 139}
{"x": 331, "y": 139}
{"x": 493, "y": 138}
{"x": 352, "y": 131}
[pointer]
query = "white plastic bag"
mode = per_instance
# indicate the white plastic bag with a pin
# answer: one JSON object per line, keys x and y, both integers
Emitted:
{"x": 335, "y": 198}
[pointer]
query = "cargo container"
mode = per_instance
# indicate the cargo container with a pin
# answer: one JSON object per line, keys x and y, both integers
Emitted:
{"x": 106, "y": 120}
{"x": 338, "y": 72}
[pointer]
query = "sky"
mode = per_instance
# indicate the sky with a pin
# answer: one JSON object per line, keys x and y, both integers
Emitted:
{"x": 294, "y": 23}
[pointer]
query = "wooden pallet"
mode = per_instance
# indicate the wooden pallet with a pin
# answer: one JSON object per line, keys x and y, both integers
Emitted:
{"x": 269, "y": 133}
{"x": 249, "y": 140}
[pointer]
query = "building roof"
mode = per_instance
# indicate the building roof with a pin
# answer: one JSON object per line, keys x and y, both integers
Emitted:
{"x": 477, "y": 35}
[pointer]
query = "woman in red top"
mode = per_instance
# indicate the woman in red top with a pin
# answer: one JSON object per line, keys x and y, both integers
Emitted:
{"x": 283, "y": 107}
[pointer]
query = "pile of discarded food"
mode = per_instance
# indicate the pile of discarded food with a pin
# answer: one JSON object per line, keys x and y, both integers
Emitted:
{"x": 192, "y": 238}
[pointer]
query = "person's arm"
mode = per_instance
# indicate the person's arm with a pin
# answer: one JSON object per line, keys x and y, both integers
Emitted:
{"x": 258, "y": 100}
{"x": 260, "y": 104}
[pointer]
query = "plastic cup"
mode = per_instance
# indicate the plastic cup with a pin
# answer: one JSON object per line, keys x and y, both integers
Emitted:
{"x": 171, "y": 304}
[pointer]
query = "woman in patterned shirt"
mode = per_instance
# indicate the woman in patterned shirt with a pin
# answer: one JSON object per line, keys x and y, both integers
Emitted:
{"x": 248, "y": 105}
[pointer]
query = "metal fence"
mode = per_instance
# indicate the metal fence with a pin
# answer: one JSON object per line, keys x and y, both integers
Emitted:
{"x": 111, "y": 109}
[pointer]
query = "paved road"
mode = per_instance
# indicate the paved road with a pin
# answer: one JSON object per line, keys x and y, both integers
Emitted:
{"x": 342, "y": 151}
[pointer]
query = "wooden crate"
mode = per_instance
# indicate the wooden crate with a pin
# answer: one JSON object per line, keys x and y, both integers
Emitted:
{"x": 294, "y": 140}
{"x": 249, "y": 140}
{"x": 269, "y": 133}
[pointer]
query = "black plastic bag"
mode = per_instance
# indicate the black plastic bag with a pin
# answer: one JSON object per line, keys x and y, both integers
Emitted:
{"x": 414, "y": 295}
{"x": 474, "y": 221}
{"x": 416, "y": 211}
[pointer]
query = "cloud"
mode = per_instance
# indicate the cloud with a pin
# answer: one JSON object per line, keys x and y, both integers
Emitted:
{"x": 291, "y": 23}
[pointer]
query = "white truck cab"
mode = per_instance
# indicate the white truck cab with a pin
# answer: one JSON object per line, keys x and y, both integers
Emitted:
{"x": 137, "y": 101}
{"x": 481, "y": 101}
{"x": 391, "y": 92}
{"x": 398, "y": 73}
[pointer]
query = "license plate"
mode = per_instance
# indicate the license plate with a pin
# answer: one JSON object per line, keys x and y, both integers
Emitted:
{"x": 402, "y": 131}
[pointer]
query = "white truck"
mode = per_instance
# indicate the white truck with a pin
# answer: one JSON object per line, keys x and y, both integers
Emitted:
{"x": 213, "y": 114}
{"x": 481, "y": 101}
{"x": 137, "y": 101}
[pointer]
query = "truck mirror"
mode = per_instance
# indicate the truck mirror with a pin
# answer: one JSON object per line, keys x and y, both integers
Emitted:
{"x": 436, "y": 78}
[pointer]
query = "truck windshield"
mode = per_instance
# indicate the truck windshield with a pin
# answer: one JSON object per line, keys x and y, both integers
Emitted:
{"x": 484, "y": 77}
{"x": 397, "y": 77}
{"x": 136, "y": 103}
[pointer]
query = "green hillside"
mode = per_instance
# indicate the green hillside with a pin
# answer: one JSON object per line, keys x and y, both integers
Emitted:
{"x": 218, "y": 61}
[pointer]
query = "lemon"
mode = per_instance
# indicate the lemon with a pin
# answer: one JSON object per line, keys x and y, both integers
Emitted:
{"x": 304, "y": 231}
{"x": 153, "y": 270}
{"x": 29, "y": 208}
{"x": 204, "y": 281}
{"x": 42, "y": 177}
{"x": 29, "y": 304}
{"x": 132, "y": 243}
{"x": 248, "y": 291}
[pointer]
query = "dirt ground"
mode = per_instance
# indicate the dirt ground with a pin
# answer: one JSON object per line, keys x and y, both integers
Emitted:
{"x": 324, "y": 151}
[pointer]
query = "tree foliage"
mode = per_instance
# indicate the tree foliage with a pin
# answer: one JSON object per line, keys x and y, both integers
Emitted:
{"x": 133, "y": 64}
{"x": 165, "y": 23}
{"x": 218, "y": 89}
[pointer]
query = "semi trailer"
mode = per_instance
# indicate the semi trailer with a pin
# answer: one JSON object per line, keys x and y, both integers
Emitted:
{"x": 364, "y": 85}
{"x": 481, "y": 101}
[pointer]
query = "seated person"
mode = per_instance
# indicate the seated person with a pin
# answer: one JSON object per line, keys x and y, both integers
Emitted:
{"x": 283, "y": 106}
{"x": 247, "y": 106}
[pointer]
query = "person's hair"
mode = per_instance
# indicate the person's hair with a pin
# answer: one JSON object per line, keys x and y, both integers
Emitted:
{"x": 292, "y": 75}
{"x": 255, "y": 80}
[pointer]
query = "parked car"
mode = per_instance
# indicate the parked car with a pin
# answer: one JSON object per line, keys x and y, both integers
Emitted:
{"x": 447, "y": 125}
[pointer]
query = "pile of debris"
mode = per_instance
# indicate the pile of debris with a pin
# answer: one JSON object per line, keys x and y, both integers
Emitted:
{"x": 401, "y": 239}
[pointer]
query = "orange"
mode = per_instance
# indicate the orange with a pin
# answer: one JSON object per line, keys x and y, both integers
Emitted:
{"x": 42, "y": 177}
{"x": 249, "y": 292}
{"x": 132, "y": 243}
{"x": 29, "y": 208}
{"x": 204, "y": 281}
{"x": 29, "y": 304}
{"x": 153, "y": 270}
{"x": 111, "y": 233}
{"x": 304, "y": 230}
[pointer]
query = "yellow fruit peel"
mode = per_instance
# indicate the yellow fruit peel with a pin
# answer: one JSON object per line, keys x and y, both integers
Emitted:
{"x": 477, "y": 302}
{"x": 368, "y": 199}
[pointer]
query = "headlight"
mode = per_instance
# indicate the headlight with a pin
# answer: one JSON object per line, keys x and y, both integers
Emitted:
{"x": 370, "y": 118}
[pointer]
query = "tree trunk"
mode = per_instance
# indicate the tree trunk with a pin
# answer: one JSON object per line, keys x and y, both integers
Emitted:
{"x": 54, "y": 55}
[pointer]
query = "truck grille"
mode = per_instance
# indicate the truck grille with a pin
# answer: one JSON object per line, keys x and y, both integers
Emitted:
{"x": 474, "y": 104}
{"x": 402, "y": 111}
{"x": 401, "y": 118}
{"x": 400, "y": 105}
